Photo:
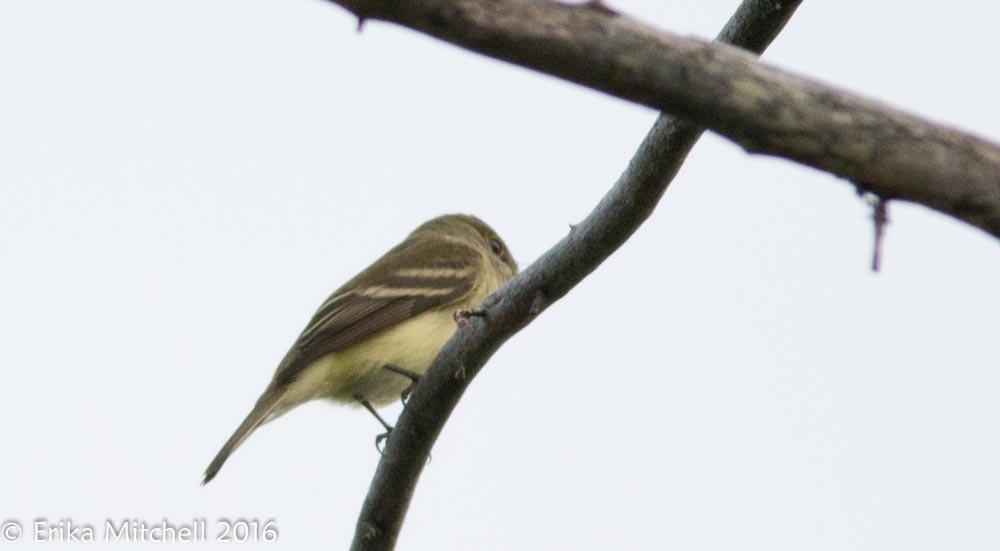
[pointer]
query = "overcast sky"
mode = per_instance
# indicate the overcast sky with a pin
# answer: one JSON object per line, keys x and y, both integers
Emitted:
{"x": 182, "y": 183}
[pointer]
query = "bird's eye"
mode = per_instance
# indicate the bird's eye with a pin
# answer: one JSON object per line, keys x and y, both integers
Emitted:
{"x": 496, "y": 245}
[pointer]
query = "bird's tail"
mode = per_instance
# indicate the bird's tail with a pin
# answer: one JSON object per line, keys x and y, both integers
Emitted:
{"x": 260, "y": 414}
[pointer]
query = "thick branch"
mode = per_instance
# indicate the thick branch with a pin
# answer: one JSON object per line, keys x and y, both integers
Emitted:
{"x": 885, "y": 151}
{"x": 613, "y": 221}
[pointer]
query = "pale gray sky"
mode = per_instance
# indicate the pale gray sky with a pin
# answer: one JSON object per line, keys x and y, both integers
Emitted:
{"x": 182, "y": 183}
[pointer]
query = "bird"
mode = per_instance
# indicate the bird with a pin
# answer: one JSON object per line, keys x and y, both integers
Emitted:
{"x": 371, "y": 339}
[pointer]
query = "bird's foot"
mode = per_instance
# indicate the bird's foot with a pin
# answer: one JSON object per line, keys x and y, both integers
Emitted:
{"x": 411, "y": 375}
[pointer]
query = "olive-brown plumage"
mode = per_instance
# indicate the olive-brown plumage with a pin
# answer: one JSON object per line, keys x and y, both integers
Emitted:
{"x": 398, "y": 311}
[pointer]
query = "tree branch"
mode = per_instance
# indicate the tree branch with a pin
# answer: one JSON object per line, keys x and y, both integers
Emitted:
{"x": 884, "y": 151}
{"x": 613, "y": 221}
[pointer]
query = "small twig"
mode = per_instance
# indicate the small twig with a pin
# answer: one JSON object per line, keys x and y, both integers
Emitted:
{"x": 462, "y": 315}
{"x": 880, "y": 218}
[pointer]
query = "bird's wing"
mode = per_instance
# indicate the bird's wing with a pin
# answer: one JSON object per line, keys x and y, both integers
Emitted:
{"x": 393, "y": 289}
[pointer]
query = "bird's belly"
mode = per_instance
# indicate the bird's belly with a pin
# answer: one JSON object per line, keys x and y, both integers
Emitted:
{"x": 358, "y": 370}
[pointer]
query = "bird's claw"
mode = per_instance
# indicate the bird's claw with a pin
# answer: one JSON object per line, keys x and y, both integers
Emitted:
{"x": 413, "y": 376}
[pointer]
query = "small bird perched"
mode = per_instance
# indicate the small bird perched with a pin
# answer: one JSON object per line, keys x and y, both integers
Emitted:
{"x": 398, "y": 312}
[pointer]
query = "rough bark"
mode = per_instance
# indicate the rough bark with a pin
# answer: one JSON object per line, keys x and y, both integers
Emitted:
{"x": 892, "y": 154}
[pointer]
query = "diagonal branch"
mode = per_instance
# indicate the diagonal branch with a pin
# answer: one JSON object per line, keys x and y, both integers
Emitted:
{"x": 613, "y": 221}
{"x": 884, "y": 151}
